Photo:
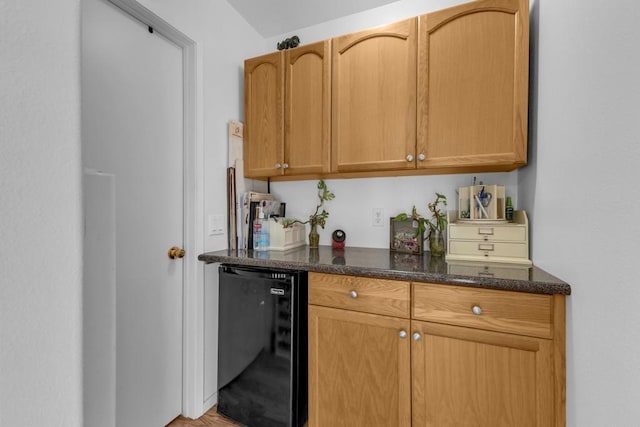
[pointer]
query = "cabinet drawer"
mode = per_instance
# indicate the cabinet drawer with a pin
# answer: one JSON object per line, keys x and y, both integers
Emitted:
{"x": 485, "y": 270}
{"x": 502, "y": 311}
{"x": 496, "y": 249}
{"x": 488, "y": 233}
{"x": 378, "y": 296}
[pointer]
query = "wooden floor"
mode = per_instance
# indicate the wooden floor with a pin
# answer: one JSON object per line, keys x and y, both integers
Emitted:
{"x": 210, "y": 419}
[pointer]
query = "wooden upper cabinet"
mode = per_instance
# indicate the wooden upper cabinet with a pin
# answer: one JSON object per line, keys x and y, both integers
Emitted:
{"x": 374, "y": 99}
{"x": 307, "y": 109}
{"x": 473, "y": 85}
{"x": 264, "y": 115}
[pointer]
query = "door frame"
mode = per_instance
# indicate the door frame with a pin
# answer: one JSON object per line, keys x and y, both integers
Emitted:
{"x": 193, "y": 209}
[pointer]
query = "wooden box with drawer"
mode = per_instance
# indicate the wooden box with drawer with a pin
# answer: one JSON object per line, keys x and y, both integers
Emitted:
{"x": 489, "y": 241}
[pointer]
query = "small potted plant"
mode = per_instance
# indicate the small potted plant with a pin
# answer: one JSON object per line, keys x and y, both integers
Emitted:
{"x": 434, "y": 227}
{"x": 317, "y": 218}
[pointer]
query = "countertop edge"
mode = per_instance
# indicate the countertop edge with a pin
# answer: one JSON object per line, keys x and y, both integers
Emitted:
{"x": 528, "y": 286}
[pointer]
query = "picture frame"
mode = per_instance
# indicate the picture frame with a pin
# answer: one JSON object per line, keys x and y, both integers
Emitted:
{"x": 403, "y": 237}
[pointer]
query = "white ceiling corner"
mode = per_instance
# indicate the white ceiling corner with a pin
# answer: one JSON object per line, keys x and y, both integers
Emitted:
{"x": 273, "y": 17}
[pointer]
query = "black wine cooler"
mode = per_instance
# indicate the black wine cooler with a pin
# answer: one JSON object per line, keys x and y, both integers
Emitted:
{"x": 262, "y": 346}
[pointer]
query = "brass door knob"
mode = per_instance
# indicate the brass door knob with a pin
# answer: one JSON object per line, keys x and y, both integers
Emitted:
{"x": 175, "y": 252}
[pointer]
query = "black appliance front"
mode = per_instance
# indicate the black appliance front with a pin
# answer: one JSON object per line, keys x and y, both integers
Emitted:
{"x": 262, "y": 346}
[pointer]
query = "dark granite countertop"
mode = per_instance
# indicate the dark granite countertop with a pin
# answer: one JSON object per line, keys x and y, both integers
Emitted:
{"x": 382, "y": 263}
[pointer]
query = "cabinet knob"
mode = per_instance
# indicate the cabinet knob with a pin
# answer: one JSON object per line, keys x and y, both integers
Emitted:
{"x": 417, "y": 336}
{"x": 403, "y": 334}
{"x": 409, "y": 158}
{"x": 353, "y": 294}
{"x": 421, "y": 157}
{"x": 285, "y": 166}
{"x": 278, "y": 165}
{"x": 476, "y": 310}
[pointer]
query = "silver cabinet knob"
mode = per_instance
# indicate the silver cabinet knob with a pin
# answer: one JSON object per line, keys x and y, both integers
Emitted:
{"x": 417, "y": 336}
{"x": 403, "y": 334}
{"x": 476, "y": 310}
{"x": 278, "y": 165}
{"x": 409, "y": 158}
{"x": 421, "y": 157}
{"x": 285, "y": 166}
{"x": 353, "y": 294}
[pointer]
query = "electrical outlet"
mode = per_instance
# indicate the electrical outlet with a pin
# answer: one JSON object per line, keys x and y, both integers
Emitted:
{"x": 377, "y": 217}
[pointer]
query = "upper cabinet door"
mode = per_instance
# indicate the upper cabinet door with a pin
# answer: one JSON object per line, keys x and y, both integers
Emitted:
{"x": 374, "y": 99}
{"x": 473, "y": 85}
{"x": 264, "y": 115}
{"x": 308, "y": 109}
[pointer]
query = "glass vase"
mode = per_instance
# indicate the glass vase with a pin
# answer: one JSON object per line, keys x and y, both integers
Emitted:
{"x": 314, "y": 237}
{"x": 436, "y": 243}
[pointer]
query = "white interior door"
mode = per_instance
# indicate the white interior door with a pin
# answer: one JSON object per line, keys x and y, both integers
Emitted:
{"x": 133, "y": 128}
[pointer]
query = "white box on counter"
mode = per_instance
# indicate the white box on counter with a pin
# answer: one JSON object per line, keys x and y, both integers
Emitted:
{"x": 488, "y": 240}
{"x": 281, "y": 238}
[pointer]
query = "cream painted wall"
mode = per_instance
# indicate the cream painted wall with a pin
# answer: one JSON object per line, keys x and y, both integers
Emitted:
{"x": 40, "y": 214}
{"x": 581, "y": 189}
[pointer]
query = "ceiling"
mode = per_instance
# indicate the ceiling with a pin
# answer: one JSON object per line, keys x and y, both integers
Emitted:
{"x": 274, "y": 17}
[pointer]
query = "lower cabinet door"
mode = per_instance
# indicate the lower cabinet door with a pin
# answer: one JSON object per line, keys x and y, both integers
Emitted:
{"x": 359, "y": 369}
{"x": 470, "y": 377}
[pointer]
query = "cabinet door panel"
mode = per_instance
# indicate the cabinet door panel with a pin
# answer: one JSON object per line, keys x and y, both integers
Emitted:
{"x": 473, "y": 85}
{"x": 359, "y": 369}
{"x": 264, "y": 115}
{"x": 308, "y": 109}
{"x": 374, "y": 98}
{"x": 467, "y": 377}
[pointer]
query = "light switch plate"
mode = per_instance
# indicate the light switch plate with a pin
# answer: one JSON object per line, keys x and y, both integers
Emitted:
{"x": 216, "y": 225}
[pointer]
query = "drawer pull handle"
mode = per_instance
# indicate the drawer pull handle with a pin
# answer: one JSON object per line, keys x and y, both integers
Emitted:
{"x": 353, "y": 294}
{"x": 409, "y": 158}
{"x": 485, "y": 246}
{"x": 485, "y": 274}
{"x": 476, "y": 310}
{"x": 403, "y": 334}
{"x": 486, "y": 231}
{"x": 417, "y": 336}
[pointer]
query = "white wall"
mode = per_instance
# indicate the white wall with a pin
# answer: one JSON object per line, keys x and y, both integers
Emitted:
{"x": 351, "y": 210}
{"x": 582, "y": 193}
{"x": 382, "y": 15}
{"x": 40, "y": 214}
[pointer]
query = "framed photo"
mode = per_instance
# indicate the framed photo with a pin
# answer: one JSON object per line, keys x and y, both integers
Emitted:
{"x": 403, "y": 237}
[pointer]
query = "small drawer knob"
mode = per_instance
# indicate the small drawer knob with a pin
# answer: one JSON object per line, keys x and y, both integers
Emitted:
{"x": 409, "y": 158}
{"x": 476, "y": 310}
{"x": 403, "y": 334}
{"x": 353, "y": 294}
{"x": 278, "y": 165}
{"x": 285, "y": 166}
{"x": 417, "y": 336}
{"x": 421, "y": 157}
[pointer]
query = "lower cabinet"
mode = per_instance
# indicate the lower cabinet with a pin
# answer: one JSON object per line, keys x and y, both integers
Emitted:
{"x": 467, "y": 377}
{"x": 359, "y": 369}
{"x": 465, "y": 357}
